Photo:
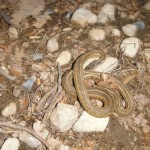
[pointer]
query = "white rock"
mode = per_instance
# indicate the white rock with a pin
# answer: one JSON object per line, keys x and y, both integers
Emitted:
{"x": 62, "y": 147}
{"x": 97, "y": 34}
{"x": 13, "y": 33}
{"x": 83, "y": 17}
{"x": 106, "y": 13}
{"x": 64, "y": 58}
{"x": 52, "y": 45}
{"x": 147, "y": 6}
{"x": 10, "y": 144}
{"x": 64, "y": 116}
{"x": 40, "y": 129}
{"x": 130, "y": 46}
{"x": 9, "y": 110}
{"x": 88, "y": 123}
{"x": 116, "y": 32}
{"x": 107, "y": 65}
{"x": 129, "y": 29}
{"x": 29, "y": 139}
{"x": 123, "y": 14}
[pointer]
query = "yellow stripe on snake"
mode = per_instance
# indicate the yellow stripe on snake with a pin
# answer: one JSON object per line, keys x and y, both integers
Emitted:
{"x": 110, "y": 97}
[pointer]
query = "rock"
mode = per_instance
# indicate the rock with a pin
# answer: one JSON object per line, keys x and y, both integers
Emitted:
{"x": 130, "y": 46}
{"x": 13, "y": 33}
{"x": 37, "y": 56}
{"x": 139, "y": 25}
{"x": 107, "y": 13}
{"x": 52, "y": 45}
{"x": 10, "y": 144}
{"x": 27, "y": 85}
{"x": 123, "y": 15}
{"x": 29, "y": 139}
{"x": 63, "y": 58}
{"x": 97, "y": 34}
{"x": 129, "y": 29}
{"x": 40, "y": 129}
{"x": 9, "y": 110}
{"x": 83, "y": 17}
{"x": 64, "y": 116}
{"x": 147, "y": 6}
{"x": 107, "y": 65}
{"x": 116, "y": 32}
{"x": 62, "y": 147}
{"x": 88, "y": 123}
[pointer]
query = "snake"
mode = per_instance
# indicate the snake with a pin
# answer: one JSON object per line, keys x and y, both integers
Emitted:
{"x": 73, "y": 84}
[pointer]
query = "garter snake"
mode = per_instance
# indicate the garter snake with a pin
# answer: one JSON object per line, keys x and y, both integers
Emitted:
{"x": 110, "y": 97}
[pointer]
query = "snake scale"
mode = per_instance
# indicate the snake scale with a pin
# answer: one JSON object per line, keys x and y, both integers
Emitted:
{"x": 73, "y": 84}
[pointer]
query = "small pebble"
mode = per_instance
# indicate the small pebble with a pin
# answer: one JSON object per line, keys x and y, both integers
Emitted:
{"x": 97, "y": 34}
{"x": 107, "y": 13}
{"x": 116, "y": 32}
{"x": 139, "y": 25}
{"x": 9, "y": 110}
{"x": 50, "y": 11}
{"x": 10, "y": 144}
{"x": 123, "y": 15}
{"x": 83, "y": 17}
{"x": 52, "y": 45}
{"x": 37, "y": 56}
{"x": 129, "y": 29}
{"x": 130, "y": 46}
{"x": 13, "y": 33}
{"x": 40, "y": 129}
{"x": 63, "y": 58}
{"x": 29, "y": 83}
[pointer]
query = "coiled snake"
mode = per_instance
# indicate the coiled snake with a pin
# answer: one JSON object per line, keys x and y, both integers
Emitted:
{"x": 110, "y": 97}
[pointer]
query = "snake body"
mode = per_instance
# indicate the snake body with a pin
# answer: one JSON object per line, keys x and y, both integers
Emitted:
{"x": 111, "y": 98}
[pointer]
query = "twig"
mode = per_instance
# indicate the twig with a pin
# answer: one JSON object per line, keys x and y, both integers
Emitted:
{"x": 59, "y": 77}
{"x": 30, "y": 131}
{"x": 3, "y": 73}
{"x": 58, "y": 97}
{"x": 45, "y": 97}
{"x": 129, "y": 78}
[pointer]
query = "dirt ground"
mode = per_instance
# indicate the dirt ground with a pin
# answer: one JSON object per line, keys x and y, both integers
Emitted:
{"x": 130, "y": 133}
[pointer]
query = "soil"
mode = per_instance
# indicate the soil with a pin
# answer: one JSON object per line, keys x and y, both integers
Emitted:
{"x": 121, "y": 133}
